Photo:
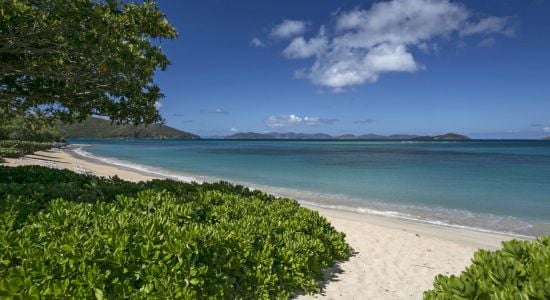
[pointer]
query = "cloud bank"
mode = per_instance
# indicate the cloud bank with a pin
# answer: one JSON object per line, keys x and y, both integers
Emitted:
{"x": 363, "y": 44}
{"x": 281, "y": 121}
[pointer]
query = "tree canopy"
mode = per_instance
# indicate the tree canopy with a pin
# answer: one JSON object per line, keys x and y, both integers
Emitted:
{"x": 69, "y": 59}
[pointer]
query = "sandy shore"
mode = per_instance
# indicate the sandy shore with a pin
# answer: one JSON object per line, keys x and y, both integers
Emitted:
{"x": 395, "y": 259}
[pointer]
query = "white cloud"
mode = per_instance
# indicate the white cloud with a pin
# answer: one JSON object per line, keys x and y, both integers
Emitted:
{"x": 158, "y": 105}
{"x": 546, "y": 129}
{"x": 288, "y": 29}
{"x": 294, "y": 120}
{"x": 404, "y": 22}
{"x": 345, "y": 67}
{"x": 300, "y": 48}
{"x": 366, "y": 43}
{"x": 490, "y": 25}
{"x": 234, "y": 129}
{"x": 256, "y": 42}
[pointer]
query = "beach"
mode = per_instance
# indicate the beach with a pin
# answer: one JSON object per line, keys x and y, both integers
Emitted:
{"x": 394, "y": 258}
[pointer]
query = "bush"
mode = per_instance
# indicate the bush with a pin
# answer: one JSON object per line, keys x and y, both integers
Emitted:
{"x": 520, "y": 270}
{"x": 10, "y": 152}
{"x": 76, "y": 236}
{"x": 15, "y": 148}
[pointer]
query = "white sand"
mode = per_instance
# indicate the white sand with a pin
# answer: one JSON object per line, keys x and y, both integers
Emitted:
{"x": 65, "y": 159}
{"x": 395, "y": 259}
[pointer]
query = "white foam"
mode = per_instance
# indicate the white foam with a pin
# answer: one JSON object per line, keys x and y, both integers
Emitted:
{"x": 408, "y": 217}
{"x": 142, "y": 168}
{"x": 392, "y": 211}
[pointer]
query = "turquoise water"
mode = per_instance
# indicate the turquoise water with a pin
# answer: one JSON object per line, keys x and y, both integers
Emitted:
{"x": 493, "y": 185}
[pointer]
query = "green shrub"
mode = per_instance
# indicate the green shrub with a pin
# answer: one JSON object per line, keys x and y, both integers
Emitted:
{"x": 15, "y": 148}
{"x": 76, "y": 236}
{"x": 520, "y": 270}
{"x": 10, "y": 152}
{"x": 29, "y": 128}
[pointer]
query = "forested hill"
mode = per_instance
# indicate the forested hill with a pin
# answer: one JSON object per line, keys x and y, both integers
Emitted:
{"x": 100, "y": 128}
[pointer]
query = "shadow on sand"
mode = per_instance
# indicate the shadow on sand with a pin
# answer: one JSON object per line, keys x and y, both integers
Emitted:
{"x": 331, "y": 274}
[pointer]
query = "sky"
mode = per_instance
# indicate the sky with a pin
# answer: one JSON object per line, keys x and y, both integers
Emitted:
{"x": 480, "y": 68}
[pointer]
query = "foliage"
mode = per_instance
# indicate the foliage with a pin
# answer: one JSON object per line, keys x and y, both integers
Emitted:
{"x": 30, "y": 128}
{"x": 98, "y": 128}
{"x": 10, "y": 152}
{"x": 66, "y": 235}
{"x": 13, "y": 149}
{"x": 69, "y": 59}
{"x": 520, "y": 270}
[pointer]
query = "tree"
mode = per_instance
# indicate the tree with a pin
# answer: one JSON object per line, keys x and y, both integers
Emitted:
{"x": 30, "y": 128}
{"x": 69, "y": 59}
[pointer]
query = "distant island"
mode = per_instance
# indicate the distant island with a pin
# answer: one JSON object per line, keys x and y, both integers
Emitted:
{"x": 546, "y": 138}
{"x": 444, "y": 137}
{"x": 324, "y": 136}
{"x": 99, "y": 128}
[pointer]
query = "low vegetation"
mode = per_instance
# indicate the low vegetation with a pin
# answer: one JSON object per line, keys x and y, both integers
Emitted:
{"x": 520, "y": 270}
{"x": 66, "y": 235}
{"x": 27, "y": 128}
{"x": 13, "y": 149}
{"x": 20, "y": 136}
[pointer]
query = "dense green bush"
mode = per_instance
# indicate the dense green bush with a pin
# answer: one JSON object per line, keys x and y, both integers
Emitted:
{"x": 77, "y": 236}
{"x": 27, "y": 128}
{"x": 10, "y": 152}
{"x": 16, "y": 148}
{"x": 520, "y": 270}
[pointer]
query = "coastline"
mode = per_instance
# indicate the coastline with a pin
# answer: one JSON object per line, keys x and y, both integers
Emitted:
{"x": 395, "y": 258}
{"x": 313, "y": 200}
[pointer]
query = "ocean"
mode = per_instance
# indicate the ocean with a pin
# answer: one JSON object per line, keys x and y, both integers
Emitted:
{"x": 501, "y": 186}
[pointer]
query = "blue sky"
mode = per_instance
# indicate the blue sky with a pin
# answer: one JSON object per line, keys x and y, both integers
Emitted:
{"x": 402, "y": 66}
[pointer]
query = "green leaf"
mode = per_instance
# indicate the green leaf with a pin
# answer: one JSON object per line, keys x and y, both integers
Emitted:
{"x": 98, "y": 294}
{"x": 66, "y": 248}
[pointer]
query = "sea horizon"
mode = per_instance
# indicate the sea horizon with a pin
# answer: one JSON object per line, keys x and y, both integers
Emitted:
{"x": 391, "y": 195}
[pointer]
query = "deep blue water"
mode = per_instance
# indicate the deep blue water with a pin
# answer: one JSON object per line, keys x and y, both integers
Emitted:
{"x": 494, "y": 185}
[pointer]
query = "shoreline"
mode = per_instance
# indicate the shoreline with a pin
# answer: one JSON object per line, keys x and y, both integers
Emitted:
{"x": 305, "y": 198}
{"x": 396, "y": 258}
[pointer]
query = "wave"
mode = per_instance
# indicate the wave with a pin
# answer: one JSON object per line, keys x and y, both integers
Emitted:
{"x": 78, "y": 149}
{"x": 410, "y": 217}
{"x": 437, "y": 216}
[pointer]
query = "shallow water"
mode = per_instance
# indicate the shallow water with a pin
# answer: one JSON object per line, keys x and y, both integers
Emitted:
{"x": 493, "y": 185}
